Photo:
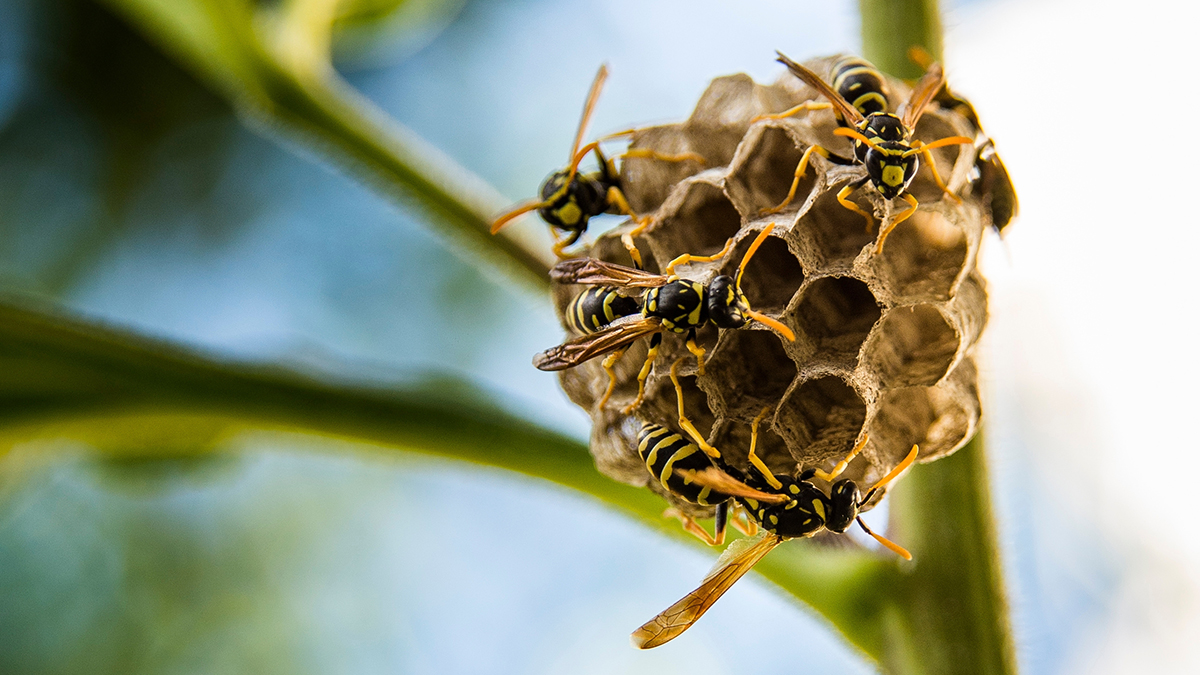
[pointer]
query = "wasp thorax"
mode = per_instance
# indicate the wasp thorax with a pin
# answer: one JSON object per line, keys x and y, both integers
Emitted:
{"x": 680, "y": 304}
{"x": 884, "y": 342}
{"x": 726, "y": 303}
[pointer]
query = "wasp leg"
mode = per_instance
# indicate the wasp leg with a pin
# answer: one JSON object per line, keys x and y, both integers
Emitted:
{"x": 560, "y": 244}
{"x": 655, "y": 341}
{"x": 684, "y": 422}
{"x": 843, "y": 197}
{"x": 800, "y": 169}
{"x": 662, "y": 156}
{"x": 841, "y": 466}
{"x": 687, "y": 258}
{"x": 610, "y": 363}
{"x": 617, "y": 199}
{"x": 742, "y": 521}
{"x": 755, "y": 460}
{"x": 692, "y": 527}
{"x": 696, "y": 350}
{"x": 912, "y": 208}
{"x": 807, "y": 105}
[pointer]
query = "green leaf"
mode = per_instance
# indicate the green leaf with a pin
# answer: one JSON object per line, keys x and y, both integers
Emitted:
{"x": 271, "y": 61}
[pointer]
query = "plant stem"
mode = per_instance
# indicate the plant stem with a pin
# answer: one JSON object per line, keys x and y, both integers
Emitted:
{"x": 890, "y": 27}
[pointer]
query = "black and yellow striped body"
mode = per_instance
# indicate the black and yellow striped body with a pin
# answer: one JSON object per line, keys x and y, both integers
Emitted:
{"x": 667, "y": 453}
{"x": 681, "y": 304}
{"x": 857, "y": 81}
{"x": 889, "y": 170}
{"x": 572, "y": 203}
{"x": 597, "y": 307}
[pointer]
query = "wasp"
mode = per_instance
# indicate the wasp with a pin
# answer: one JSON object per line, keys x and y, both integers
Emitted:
{"x": 569, "y": 198}
{"x": 669, "y": 304}
{"x": 999, "y": 195}
{"x": 671, "y": 460}
{"x": 883, "y": 141}
{"x": 803, "y": 512}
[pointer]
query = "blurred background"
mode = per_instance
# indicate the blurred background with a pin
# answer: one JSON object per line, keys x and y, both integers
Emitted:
{"x": 133, "y": 195}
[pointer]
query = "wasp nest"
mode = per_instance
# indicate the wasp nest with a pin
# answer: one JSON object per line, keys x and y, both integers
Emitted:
{"x": 884, "y": 342}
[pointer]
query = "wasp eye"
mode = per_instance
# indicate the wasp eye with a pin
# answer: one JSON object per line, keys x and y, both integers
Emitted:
{"x": 726, "y": 302}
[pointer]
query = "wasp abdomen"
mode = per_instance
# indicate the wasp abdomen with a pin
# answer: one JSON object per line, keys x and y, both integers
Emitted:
{"x": 597, "y": 307}
{"x": 860, "y": 84}
{"x": 666, "y": 454}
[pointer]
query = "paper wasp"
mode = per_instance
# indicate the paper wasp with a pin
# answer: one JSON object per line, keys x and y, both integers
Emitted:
{"x": 570, "y": 198}
{"x": 804, "y": 512}
{"x": 883, "y": 141}
{"x": 999, "y": 195}
{"x": 669, "y": 304}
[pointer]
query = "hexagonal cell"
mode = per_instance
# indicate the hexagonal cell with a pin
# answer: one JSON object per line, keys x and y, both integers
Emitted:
{"x": 915, "y": 346}
{"x": 610, "y": 249}
{"x": 762, "y": 172}
{"x": 923, "y": 258}
{"x": 702, "y": 223}
{"x": 940, "y": 418}
{"x": 646, "y": 181}
{"x": 837, "y": 313}
{"x": 820, "y": 419}
{"x": 748, "y": 371}
{"x": 723, "y": 114}
{"x": 772, "y": 276}
{"x": 732, "y": 438}
{"x": 834, "y": 233}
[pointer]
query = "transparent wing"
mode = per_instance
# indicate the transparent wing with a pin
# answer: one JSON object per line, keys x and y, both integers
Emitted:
{"x": 929, "y": 85}
{"x": 680, "y": 616}
{"x": 849, "y": 112}
{"x": 599, "y": 273}
{"x": 722, "y": 482}
{"x": 617, "y": 335}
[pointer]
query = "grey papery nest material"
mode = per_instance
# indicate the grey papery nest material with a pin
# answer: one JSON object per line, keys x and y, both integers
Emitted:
{"x": 884, "y": 342}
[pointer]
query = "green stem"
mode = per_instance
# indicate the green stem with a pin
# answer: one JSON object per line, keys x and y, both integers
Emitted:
{"x": 890, "y": 27}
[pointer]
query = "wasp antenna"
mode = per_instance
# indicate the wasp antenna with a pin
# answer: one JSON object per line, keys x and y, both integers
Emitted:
{"x": 521, "y": 209}
{"x": 767, "y": 321}
{"x": 758, "y": 241}
{"x": 588, "y": 107}
{"x": 885, "y": 542}
{"x": 912, "y": 457}
{"x": 851, "y": 133}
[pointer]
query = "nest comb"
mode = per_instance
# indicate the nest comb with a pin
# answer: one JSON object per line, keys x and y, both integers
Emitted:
{"x": 884, "y": 342}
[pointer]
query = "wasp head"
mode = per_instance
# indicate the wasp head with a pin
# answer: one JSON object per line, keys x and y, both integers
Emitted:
{"x": 727, "y": 304}
{"x": 844, "y": 499}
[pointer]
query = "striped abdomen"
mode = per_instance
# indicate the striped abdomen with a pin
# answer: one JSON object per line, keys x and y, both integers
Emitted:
{"x": 860, "y": 84}
{"x": 597, "y": 307}
{"x": 665, "y": 454}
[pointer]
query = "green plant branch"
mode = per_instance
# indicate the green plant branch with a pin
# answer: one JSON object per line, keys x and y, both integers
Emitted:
{"x": 274, "y": 70}
{"x": 890, "y": 27}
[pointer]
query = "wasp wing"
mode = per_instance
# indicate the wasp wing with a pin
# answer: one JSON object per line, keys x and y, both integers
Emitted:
{"x": 722, "y": 482}
{"x": 594, "y": 272}
{"x": 618, "y": 334}
{"x": 848, "y": 112}
{"x": 588, "y": 107}
{"x": 680, "y": 616}
{"x": 924, "y": 91}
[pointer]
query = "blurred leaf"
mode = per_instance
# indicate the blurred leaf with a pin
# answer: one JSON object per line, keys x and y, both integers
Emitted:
{"x": 271, "y": 62}
{"x": 373, "y": 30}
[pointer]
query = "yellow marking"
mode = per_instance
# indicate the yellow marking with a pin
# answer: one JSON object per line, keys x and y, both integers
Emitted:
{"x": 893, "y": 175}
{"x": 753, "y": 503}
{"x": 774, "y": 520}
{"x": 569, "y": 213}
{"x": 819, "y": 508}
{"x": 794, "y": 489}
{"x": 704, "y": 495}
{"x": 654, "y": 304}
{"x": 791, "y": 505}
{"x": 683, "y": 452}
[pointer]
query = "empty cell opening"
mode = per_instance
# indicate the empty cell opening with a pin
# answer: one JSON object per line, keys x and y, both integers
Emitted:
{"x": 647, "y": 181}
{"x": 772, "y": 276}
{"x": 820, "y": 420}
{"x": 837, "y": 233}
{"x": 915, "y": 346}
{"x": 733, "y": 440}
{"x": 904, "y": 417}
{"x": 837, "y": 313}
{"x": 766, "y": 172}
{"x": 751, "y": 370}
{"x": 702, "y": 225}
{"x": 923, "y": 257}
